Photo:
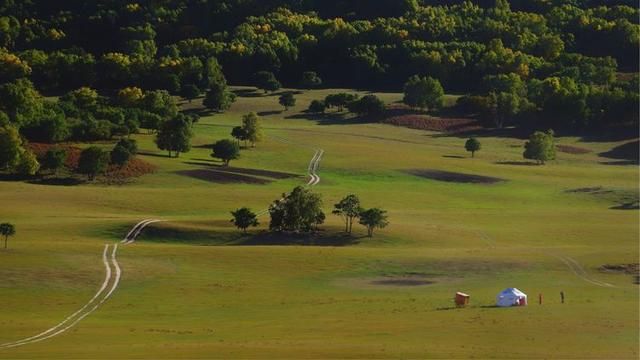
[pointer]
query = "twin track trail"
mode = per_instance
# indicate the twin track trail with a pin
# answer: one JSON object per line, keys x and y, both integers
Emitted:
{"x": 92, "y": 305}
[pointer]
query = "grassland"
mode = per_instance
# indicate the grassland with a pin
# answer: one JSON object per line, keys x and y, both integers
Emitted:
{"x": 181, "y": 298}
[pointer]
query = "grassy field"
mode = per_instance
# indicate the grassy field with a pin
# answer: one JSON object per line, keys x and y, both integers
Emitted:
{"x": 180, "y": 298}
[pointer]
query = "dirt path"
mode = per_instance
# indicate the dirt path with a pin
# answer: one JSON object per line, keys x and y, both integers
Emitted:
{"x": 93, "y": 304}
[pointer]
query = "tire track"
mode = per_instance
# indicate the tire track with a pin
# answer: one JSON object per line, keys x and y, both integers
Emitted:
{"x": 137, "y": 229}
{"x": 84, "y": 311}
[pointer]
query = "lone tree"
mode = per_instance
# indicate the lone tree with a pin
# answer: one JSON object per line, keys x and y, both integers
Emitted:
{"x": 226, "y": 150}
{"x": 54, "y": 159}
{"x": 298, "y": 211}
{"x": 6, "y": 230}
{"x": 310, "y": 80}
{"x": 120, "y": 155}
{"x": 92, "y": 162}
{"x": 423, "y": 92}
{"x": 175, "y": 135}
{"x": 287, "y": 100}
{"x": 373, "y": 218}
{"x": 472, "y": 145}
{"x": 251, "y": 124}
{"x": 266, "y": 81}
{"x": 243, "y": 218}
{"x": 317, "y": 107}
{"x": 348, "y": 209}
{"x": 541, "y": 147}
{"x": 240, "y": 134}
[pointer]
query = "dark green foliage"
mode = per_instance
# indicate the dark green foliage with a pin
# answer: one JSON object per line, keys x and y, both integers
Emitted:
{"x": 541, "y": 147}
{"x": 423, "y": 92}
{"x": 339, "y": 100}
{"x": 317, "y": 106}
{"x": 287, "y": 100}
{"x": 93, "y": 161}
{"x": 348, "y": 209}
{"x": 190, "y": 92}
{"x": 175, "y": 135}
{"x": 266, "y": 81}
{"x": 6, "y": 230}
{"x": 54, "y": 159}
{"x": 368, "y": 105}
{"x": 310, "y": 80}
{"x": 28, "y": 165}
{"x": 226, "y": 150}
{"x": 472, "y": 145}
{"x": 243, "y": 218}
{"x": 10, "y": 147}
{"x": 240, "y": 133}
{"x": 299, "y": 211}
{"x": 129, "y": 144}
{"x": 374, "y": 218}
{"x": 120, "y": 155}
{"x": 219, "y": 98}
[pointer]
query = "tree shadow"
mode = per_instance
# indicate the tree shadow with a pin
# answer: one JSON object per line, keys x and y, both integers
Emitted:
{"x": 628, "y": 152}
{"x": 317, "y": 238}
{"x": 222, "y": 177}
{"x": 453, "y": 157}
{"x": 517, "y": 163}
{"x": 269, "y": 113}
{"x": 57, "y": 181}
{"x": 145, "y": 153}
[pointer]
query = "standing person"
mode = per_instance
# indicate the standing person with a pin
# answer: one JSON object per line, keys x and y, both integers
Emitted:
{"x": 562, "y": 297}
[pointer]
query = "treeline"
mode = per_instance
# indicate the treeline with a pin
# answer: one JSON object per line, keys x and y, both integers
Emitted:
{"x": 176, "y": 45}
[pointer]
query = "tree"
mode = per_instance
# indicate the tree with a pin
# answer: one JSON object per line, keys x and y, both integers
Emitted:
{"x": 541, "y": 147}
{"x": 423, "y": 92}
{"x": 373, "y": 218}
{"x": 310, "y": 80}
{"x": 6, "y": 230}
{"x": 317, "y": 106}
{"x": 93, "y": 161}
{"x": 161, "y": 103}
{"x": 219, "y": 98}
{"x": 239, "y": 133}
{"x": 266, "y": 81}
{"x": 369, "y": 105}
{"x": 507, "y": 106}
{"x": 175, "y": 135}
{"x": 349, "y": 209}
{"x": 10, "y": 147}
{"x": 54, "y": 159}
{"x": 130, "y": 144}
{"x": 120, "y": 155}
{"x": 28, "y": 164}
{"x": 287, "y": 100}
{"x": 251, "y": 125}
{"x": 243, "y": 218}
{"x": 299, "y": 211}
{"x": 472, "y": 145}
{"x": 226, "y": 150}
{"x": 189, "y": 92}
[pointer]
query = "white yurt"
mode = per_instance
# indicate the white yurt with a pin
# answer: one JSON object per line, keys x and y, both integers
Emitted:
{"x": 511, "y": 297}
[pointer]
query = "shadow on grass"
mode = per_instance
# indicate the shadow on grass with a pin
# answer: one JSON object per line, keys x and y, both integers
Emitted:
{"x": 318, "y": 238}
{"x": 627, "y": 153}
{"x": 517, "y": 163}
{"x": 270, "y": 112}
{"x": 57, "y": 181}
{"x": 145, "y": 153}
{"x": 453, "y": 157}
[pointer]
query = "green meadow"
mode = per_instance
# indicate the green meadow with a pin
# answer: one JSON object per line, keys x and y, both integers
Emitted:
{"x": 195, "y": 287}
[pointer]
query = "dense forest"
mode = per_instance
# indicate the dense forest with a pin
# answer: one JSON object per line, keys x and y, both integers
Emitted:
{"x": 114, "y": 64}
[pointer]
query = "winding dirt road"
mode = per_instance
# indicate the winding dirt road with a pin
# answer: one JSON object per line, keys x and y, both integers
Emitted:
{"x": 92, "y": 305}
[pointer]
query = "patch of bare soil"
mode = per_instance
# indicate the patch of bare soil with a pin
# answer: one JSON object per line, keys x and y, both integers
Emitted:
{"x": 569, "y": 149}
{"x": 449, "y": 176}
{"x": 431, "y": 123}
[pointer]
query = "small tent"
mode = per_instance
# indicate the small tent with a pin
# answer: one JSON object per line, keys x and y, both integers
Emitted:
{"x": 511, "y": 297}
